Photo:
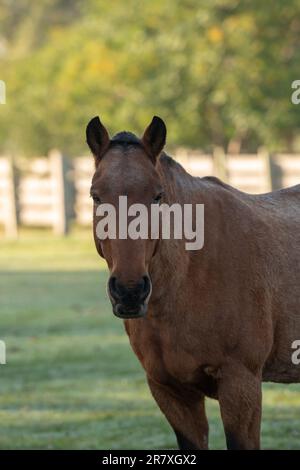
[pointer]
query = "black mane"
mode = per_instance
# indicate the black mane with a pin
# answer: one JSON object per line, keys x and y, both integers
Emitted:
{"x": 125, "y": 139}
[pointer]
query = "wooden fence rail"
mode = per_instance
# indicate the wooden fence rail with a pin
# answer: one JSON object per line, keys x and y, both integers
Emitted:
{"x": 54, "y": 190}
{"x": 8, "y": 205}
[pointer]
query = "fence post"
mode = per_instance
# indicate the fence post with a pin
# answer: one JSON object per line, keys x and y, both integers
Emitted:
{"x": 10, "y": 217}
{"x": 265, "y": 157}
{"x": 58, "y": 176}
{"x": 219, "y": 163}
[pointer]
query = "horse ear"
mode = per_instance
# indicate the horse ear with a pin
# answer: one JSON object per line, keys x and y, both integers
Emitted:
{"x": 97, "y": 138}
{"x": 154, "y": 137}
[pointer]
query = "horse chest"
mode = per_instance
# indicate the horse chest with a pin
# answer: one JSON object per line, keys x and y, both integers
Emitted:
{"x": 181, "y": 365}
{"x": 165, "y": 356}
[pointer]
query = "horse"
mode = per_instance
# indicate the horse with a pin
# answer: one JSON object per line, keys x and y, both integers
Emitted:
{"x": 215, "y": 322}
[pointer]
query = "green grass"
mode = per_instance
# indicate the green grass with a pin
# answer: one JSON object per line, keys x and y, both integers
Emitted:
{"x": 71, "y": 380}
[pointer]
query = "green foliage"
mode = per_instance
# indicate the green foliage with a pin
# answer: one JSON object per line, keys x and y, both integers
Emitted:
{"x": 217, "y": 72}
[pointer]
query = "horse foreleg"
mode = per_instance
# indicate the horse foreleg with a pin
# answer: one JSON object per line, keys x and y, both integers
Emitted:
{"x": 186, "y": 414}
{"x": 239, "y": 394}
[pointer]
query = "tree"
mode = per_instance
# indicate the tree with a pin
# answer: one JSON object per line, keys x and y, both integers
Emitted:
{"x": 218, "y": 72}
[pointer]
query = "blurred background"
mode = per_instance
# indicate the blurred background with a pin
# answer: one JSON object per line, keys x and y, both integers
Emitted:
{"x": 220, "y": 74}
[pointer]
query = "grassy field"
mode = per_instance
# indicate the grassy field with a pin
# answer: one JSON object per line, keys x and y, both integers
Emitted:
{"x": 71, "y": 380}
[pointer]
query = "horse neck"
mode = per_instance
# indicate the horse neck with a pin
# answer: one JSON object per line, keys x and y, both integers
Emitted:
{"x": 170, "y": 265}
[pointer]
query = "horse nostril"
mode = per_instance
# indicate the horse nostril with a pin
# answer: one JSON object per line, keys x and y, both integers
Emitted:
{"x": 112, "y": 286}
{"x": 146, "y": 287}
{"x": 129, "y": 293}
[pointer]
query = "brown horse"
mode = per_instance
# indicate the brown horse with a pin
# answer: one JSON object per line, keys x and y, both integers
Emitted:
{"x": 214, "y": 322}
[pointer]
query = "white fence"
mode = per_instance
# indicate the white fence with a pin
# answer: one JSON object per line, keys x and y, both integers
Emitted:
{"x": 51, "y": 191}
{"x": 41, "y": 193}
{"x": 8, "y": 212}
{"x": 83, "y": 172}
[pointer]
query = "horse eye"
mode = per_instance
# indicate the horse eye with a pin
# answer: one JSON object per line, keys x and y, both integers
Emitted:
{"x": 157, "y": 199}
{"x": 96, "y": 199}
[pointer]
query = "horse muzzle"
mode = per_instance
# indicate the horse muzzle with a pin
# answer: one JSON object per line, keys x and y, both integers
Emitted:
{"x": 129, "y": 301}
{"x": 124, "y": 312}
